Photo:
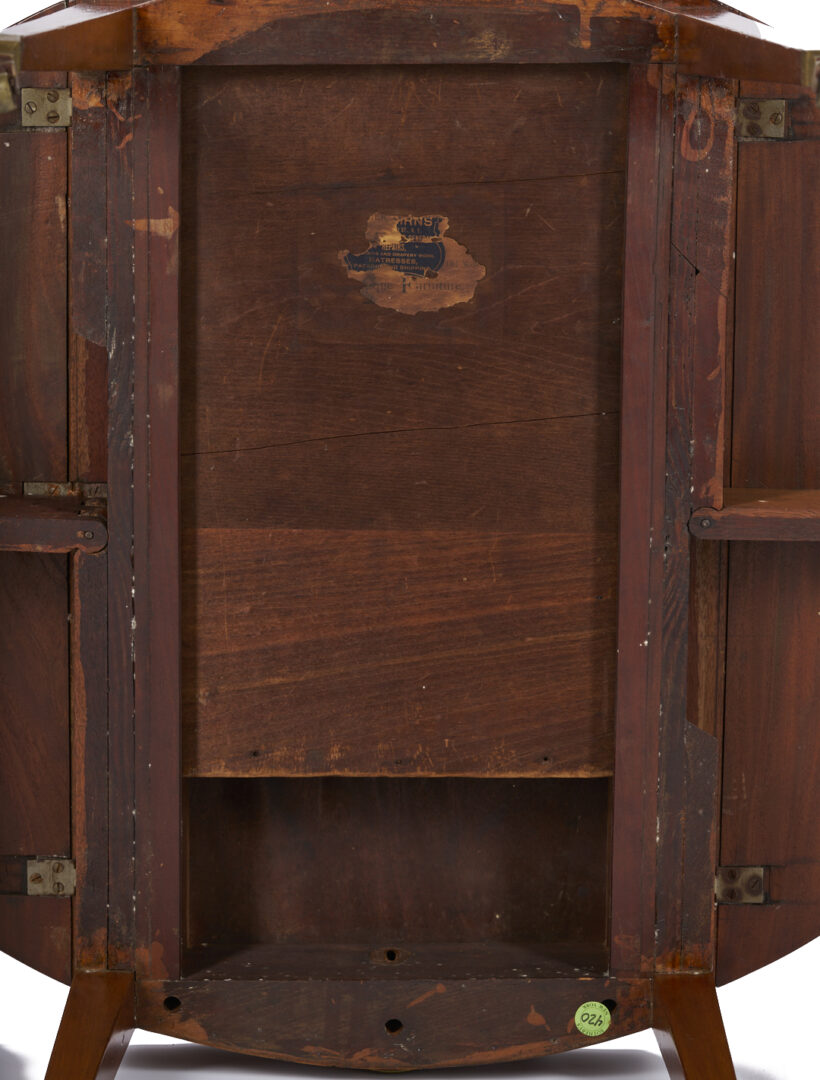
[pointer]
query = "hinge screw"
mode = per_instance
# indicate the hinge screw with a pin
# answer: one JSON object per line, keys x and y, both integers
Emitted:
{"x": 52, "y": 117}
{"x": 755, "y": 130}
{"x": 706, "y": 523}
{"x": 59, "y": 887}
{"x": 57, "y": 867}
{"x": 31, "y": 106}
{"x": 35, "y": 879}
{"x": 752, "y": 109}
{"x": 53, "y": 96}
{"x": 776, "y": 118}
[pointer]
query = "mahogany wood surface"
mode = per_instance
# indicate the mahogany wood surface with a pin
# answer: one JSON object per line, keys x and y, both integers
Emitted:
{"x": 117, "y": 106}
{"x": 156, "y": 523}
{"x": 56, "y": 525}
{"x": 33, "y": 309}
{"x": 689, "y": 1028}
{"x": 391, "y": 715}
{"x": 645, "y": 298}
{"x": 96, "y": 1027}
{"x": 397, "y": 860}
{"x": 89, "y": 757}
{"x": 441, "y": 1021}
{"x": 760, "y": 515}
{"x": 771, "y": 760}
{"x": 88, "y": 355}
{"x": 400, "y": 531}
{"x": 700, "y": 319}
{"x": 34, "y": 750}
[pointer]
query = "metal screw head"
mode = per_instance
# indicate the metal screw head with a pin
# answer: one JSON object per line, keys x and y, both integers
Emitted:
{"x": 53, "y": 117}
{"x": 752, "y": 109}
{"x": 53, "y": 96}
{"x": 59, "y": 887}
{"x": 88, "y": 535}
{"x": 706, "y": 523}
{"x": 31, "y": 106}
{"x": 755, "y": 130}
{"x": 35, "y": 879}
{"x": 57, "y": 867}
{"x": 776, "y": 119}
{"x": 754, "y": 885}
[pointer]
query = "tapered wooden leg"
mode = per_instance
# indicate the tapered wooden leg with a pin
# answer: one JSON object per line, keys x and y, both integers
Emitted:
{"x": 96, "y": 1027}
{"x": 689, "y": 1028}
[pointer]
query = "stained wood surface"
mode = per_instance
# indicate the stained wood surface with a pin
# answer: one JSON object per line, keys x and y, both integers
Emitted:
{"x": 33, "y": 311}
{"x": 776, "y": 442}
{"x": 424, "y": 960}
{"x": 641, "y": 516}
{"x": 36, "y": 930}
{"x": 119, "y": 155}
{"x": 88, "y": 355}
{"x": 400, "y": 531}
{"x": 156, "y": 522}
{"x": 760, "y": 515}
{"x": 397, "y": 861}
{"x": 689, "y": 1028}
{"x": 771, "y": 758}
{"x": 34, "y": 705}
{"x": 89, "y": 758}
{"x": 443, "y": 1022}
{"x": 96, "y": 1027}
{"x": 56, "y": 525}
{"x": 701, "y": 310}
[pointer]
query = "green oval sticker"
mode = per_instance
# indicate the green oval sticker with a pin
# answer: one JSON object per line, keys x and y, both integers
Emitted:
{"x": 593, "y": 1018}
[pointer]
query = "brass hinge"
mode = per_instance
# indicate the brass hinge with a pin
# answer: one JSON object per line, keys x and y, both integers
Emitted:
{"x": 45, "y": 108}
{"x": 51, "y": 877}
{"x": 740, "y": 885}
{"x": 759, "y": 118}
{"x": 811, "y": 73}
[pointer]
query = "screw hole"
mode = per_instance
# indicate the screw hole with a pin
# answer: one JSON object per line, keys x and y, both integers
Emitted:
{"x": 390, "y": 954}
{"x": 394, "y": 1026}
{"x": 172, "y": 1004}
{"x": 611, "y": 1004}
{"x": 254, "y": 753}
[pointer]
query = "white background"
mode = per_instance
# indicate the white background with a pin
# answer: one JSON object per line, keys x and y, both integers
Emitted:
{"x": 770, "y": 1016}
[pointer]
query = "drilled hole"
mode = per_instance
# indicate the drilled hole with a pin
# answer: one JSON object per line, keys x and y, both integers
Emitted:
{"x": 172, "y": 1004}
{"x": 391, "y": 955}
{"x": 611, "y": 1004}
{"x": 254, "y": 753}
{"x": 394, "y": 1026}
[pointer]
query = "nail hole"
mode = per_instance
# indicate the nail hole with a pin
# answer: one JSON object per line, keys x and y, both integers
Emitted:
{"x": 611, "y": 1004}
{"x": 390, "y": 954}
{"x": 254, "y": 753}
{"x": 172, "y": 1004}
{"x": 394, "y": 1026}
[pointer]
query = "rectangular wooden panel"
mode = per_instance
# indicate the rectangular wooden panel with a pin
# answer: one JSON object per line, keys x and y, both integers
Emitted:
{"x": 400, "y": 530}
{"x": 33, "y": 422}
{"x": 34, "y": 746}
{"x": 388, "y": 862}
{"x": 34, "y": 750}
{"x": 776, "y": 438}
{"x": 771, "y": 758}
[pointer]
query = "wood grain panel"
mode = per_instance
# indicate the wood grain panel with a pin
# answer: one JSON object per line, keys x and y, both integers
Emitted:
{"x": 36, "y": 930}
{"x": 34, "y": 734}
{"x": 771, "y": 758}
{"x": 406, "y": 603}
{"x": 33, "y": 420}
{"x": 445, "y": 1022}
{"x": 400, "y": 532}
{"x": 776, "y": 441}
{"x": 305, "y": 355}
{"x": 393, "y": 861}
